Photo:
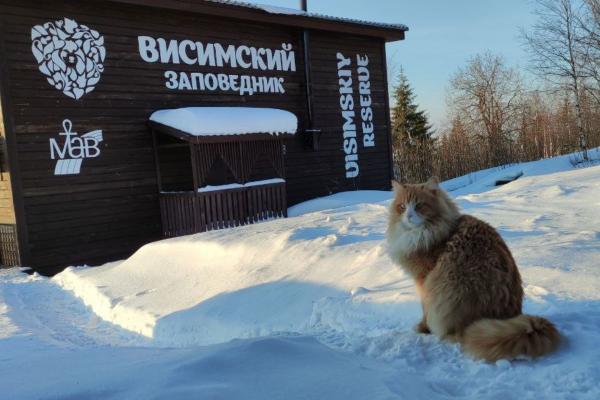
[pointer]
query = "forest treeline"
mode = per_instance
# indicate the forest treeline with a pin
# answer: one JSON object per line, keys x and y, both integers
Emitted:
{"x": 497, "y": 116}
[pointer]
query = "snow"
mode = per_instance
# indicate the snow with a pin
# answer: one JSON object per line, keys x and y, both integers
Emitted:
{"x": 309, "y": 306}
{"x": 338, "y": 200}
{"x": 486, "y": 179}
{"x": 212, "y": 188}
{"x": 291, "y": 11}
{"x": 281, "y": 10}
{"x": 229, "y": 186}
{"x": 223, "y": 121}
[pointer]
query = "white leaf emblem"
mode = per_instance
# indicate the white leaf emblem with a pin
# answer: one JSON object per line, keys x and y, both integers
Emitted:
{"x": 70, "y": 55}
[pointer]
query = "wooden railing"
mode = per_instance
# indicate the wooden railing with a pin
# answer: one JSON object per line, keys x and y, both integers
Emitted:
{"x": 9, "y": 249}
{"x": 184, "y": 213}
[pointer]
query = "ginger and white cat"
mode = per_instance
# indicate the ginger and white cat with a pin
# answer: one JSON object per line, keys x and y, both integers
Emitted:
{"x": 469, "y": 284}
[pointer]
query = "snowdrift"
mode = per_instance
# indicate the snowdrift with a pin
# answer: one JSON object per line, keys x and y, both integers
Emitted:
{"x": 313, "y": 305}
{"x": 289, "y": 275}
{"x": 325, "y": 271}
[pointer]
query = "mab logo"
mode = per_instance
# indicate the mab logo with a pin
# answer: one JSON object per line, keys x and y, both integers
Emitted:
{"x": 74, "y": 150}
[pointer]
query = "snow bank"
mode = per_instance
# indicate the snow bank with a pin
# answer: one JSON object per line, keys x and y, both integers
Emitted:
{"x": 327, "y": 271}
{"x": 287, "y": 275}
{"x": 220, "y": 121}
{"x": 73, "y": 355}
{"x": 311, "y": 295}
{"x": 327, "y": 268}
{"x": 487, "y": 179}
{"x": 339, "y": 200}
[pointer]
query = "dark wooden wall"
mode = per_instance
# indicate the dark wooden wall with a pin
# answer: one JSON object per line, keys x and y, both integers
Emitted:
{"x": 322, "y": 172}
{"x": 111, "y": 208}
{"x": 7, "y": 211}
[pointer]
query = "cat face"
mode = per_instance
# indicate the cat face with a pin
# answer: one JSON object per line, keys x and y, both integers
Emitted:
{"x": 420, "y": 216}
{"x": 416, "y": 206}
{"x": 420, "y": 206}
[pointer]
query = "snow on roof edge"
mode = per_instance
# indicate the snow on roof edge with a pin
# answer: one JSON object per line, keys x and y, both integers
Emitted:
{"x": 226, "y": 121}
{"x": 291, "y": 11}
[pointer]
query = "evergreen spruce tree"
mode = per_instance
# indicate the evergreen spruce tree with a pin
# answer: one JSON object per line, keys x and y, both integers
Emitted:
{"x": 409, "y": 124}
{"x": 412, "y": 136}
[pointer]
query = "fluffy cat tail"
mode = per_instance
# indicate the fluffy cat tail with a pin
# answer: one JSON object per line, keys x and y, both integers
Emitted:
{"x": 496, "y": 339}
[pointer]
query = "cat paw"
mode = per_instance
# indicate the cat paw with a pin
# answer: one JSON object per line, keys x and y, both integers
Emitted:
{"x": 422, "y": 327}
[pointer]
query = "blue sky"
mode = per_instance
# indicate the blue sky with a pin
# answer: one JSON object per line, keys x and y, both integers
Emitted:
{"x": 443, "y": 35}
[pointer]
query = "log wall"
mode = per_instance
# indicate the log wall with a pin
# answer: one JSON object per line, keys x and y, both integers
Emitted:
{"x": 111, "y": 207}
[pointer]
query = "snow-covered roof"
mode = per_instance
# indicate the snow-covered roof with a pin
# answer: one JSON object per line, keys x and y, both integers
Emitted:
{"x": 226, "y": 121}
{"x": 280, "y": 15}
{"x": 292, "y": 11}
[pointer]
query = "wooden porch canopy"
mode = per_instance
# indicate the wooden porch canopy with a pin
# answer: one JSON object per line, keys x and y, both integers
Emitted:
{"x": 234, "y": 138}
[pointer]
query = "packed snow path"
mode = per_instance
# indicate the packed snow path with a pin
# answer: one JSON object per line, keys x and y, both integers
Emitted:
{"x": 313, "y": 305}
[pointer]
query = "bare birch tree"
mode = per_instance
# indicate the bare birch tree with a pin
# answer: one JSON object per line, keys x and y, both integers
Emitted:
{"x": 558, "y": 52}
{"x": 590, "y": 23}
{"x": 485, "y": 95}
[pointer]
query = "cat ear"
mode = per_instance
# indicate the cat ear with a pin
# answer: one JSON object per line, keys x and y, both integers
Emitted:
{"x": 397, "y": 186}
{"x": 433, "y": 182}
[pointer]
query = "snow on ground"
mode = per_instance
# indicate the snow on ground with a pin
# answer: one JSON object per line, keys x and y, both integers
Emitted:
{"x": 486, "y": 179}
{"x": 308, "y": 307}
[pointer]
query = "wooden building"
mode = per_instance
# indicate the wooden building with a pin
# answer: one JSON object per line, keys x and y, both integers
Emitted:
{"x": 85, "y": 174}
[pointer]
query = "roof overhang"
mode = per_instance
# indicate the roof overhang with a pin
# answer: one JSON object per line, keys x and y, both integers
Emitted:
{"x": 224, "y": 124}
{"x": 252, "y": 12}
{"x": 185, "y": 137}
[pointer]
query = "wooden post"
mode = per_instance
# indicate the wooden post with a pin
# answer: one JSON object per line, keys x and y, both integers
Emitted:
{"x": 156, "y": 161}
{"x": 198, "y": 225}
{"x": 387, "y": 114}
{"x": 194, "y": 158}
